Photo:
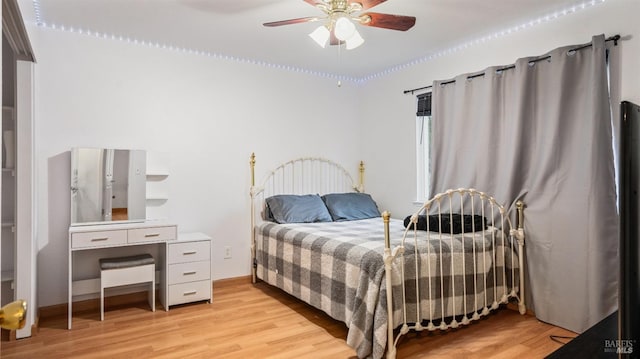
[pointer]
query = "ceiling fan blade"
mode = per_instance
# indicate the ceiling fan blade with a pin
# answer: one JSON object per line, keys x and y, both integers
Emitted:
{"x": 366, "y": 4}
{"x": 291, "y": 21}
{"x": 387, "y": 21}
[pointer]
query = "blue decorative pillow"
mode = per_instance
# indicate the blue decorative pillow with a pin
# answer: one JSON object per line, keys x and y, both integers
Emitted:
{"x": 350, "y": 206}
{"x": 286, "y": 208}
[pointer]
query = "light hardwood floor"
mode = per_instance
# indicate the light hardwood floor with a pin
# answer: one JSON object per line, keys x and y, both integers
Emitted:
{"x": 258, "y": 321}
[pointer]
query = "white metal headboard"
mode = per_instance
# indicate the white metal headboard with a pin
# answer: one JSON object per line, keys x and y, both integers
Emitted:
{"x": 305, "y": 175}
{"x": 308, "y": 175}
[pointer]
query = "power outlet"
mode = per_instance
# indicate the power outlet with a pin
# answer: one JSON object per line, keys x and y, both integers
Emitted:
{"x": 227, "y": 252}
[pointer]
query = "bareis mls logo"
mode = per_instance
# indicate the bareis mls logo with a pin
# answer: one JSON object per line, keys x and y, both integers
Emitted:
{"x": 619, "y": 346}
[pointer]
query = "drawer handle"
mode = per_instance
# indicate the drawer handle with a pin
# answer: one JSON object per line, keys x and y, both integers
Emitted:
{"x": 99, "y": 239}
{"x": 152, "y": 235}
{"x": 188, "y": 253}
{"x": 189, "y": 273}
{"x": 192, "y": 292}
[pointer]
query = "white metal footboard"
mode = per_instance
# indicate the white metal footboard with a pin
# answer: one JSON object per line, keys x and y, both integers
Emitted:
{"x": 505, "y": 253}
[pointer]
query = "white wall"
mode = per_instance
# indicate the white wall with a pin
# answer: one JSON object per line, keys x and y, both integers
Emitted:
{"x": 388, "y": 137}
{"x": 208, "y": 114}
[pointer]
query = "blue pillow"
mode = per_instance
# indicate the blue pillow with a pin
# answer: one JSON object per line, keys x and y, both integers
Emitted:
{"x": 350, "y": 206}
{"x": 287, "y": 208}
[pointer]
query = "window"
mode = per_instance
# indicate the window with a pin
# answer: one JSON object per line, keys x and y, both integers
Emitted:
{"x": 423, "y": 147}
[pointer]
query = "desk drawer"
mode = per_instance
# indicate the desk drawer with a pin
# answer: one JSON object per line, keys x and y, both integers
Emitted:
{"x": 189, "y": 272}
{"x": 153, "y": 234}
{"x": 189, "y": 292}
{"x": 98, "y": 239}
{"x": 189, "y": 252}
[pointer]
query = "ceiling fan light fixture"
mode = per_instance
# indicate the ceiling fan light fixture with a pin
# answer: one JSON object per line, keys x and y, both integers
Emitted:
{"x": 340, "y": 18}
{"x": 354, "y": 41}
{"x": 320, "y": 35}
{"x": 344, "y": 29}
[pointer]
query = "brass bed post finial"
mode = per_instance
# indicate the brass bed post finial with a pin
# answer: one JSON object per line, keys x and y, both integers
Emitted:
{"x": 386, "y": 215}
{"x": 252, "y": 163}
{"x": 361, "y": 179}
{"x": 520, "y": 207}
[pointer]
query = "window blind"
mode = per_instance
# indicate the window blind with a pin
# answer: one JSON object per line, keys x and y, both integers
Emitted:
{"x": 424, "y": 104}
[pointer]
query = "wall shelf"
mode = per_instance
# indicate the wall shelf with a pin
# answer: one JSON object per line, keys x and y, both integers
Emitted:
{"x": 157, "y": 175}
{"x": 158, "y": 198}
{"x": 6, "y": 275}
{"x": 9, "y": 224}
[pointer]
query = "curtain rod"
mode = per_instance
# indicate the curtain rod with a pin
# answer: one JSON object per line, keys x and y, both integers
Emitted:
{"x": 614, "y": 38}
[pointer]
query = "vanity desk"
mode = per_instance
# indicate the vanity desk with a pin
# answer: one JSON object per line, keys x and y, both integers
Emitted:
{"x": 88, "y": 243}
{"x": 111, "y": 192}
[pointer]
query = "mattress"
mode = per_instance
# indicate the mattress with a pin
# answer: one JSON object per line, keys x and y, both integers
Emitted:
{"x": 338, "y": 267}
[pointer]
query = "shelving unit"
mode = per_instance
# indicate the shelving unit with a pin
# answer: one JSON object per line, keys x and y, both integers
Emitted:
{"x": 8, "y": 229}
{"x": 157, "y": 185}
{"x": 18, "y": 245}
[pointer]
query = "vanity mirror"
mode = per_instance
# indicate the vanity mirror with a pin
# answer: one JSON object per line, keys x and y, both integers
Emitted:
{"x": 107, "y": 185}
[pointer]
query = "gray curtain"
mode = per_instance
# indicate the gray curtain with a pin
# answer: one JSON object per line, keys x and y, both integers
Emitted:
{"x": 541, "y": 132}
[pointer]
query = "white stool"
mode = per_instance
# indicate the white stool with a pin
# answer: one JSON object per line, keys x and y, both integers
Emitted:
{"x": 125, "y": 271}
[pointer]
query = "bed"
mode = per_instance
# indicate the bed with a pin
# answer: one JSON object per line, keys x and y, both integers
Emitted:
{"x": 317, "y": 236}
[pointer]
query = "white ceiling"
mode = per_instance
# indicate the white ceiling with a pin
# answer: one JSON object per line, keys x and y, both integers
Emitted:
{"x": 234, "y": 28}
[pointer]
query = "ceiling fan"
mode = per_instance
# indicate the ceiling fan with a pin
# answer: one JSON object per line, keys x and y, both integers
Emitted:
{"x": 339, "y": 19}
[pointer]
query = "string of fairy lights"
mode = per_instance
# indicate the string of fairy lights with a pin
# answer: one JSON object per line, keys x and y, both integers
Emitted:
{"x": 40, "y": 22}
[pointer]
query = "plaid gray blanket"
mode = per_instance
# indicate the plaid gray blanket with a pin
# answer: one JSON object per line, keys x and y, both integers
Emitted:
{"x": 338, "y": 267}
